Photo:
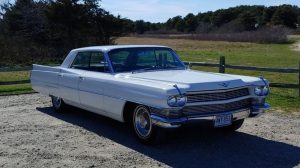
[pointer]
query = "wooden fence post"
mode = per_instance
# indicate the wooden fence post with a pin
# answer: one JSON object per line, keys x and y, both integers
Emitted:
{"x": 222, "y": 65}
{"x": 299, "y": 78}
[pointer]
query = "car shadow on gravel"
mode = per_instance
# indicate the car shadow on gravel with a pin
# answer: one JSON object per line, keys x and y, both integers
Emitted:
{"x": 191, "y": 147}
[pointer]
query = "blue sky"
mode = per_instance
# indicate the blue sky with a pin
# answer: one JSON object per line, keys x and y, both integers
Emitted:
{"x": 161, "y": 10}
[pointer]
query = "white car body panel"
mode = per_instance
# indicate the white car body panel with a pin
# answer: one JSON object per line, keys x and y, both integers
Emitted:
{"x": 107, "y": 93}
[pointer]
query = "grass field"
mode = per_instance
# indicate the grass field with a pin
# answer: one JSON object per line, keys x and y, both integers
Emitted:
{"x": 14, "y": 76}
{"x": 14, "y": 89}
{"x": 263, "y": 55}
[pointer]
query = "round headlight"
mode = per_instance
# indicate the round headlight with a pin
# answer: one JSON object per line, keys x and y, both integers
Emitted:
{"x": 265, "y": 91}
{"x": 258, "y": 90}
{"x": 261, "y": 90}
{"x": 176, "y": 101}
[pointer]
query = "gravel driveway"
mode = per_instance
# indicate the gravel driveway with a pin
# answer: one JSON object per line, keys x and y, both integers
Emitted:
{"x": 33, "y": 135}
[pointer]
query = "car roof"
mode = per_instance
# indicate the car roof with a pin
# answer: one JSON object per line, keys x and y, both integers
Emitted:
{"x": 112, "y": 47}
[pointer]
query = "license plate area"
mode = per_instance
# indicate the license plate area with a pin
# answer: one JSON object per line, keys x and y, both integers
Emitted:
{"x": 223, "y": 120}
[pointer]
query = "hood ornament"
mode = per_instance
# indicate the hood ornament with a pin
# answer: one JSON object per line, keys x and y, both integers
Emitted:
{"x": 224, "y": 84}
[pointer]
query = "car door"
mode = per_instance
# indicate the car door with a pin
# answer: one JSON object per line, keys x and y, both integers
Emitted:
{"x": 92, "y": 85}
{"x": 70, "y": 77}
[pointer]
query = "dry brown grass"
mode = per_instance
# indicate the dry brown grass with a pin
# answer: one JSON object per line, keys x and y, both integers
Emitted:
{"x": 184, "y": 44}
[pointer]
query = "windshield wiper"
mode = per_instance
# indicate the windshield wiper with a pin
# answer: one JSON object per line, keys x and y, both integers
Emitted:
{"x": 175, "y": 68}
{"x": 145, "y": 69}
{"x": 157, "y": 68}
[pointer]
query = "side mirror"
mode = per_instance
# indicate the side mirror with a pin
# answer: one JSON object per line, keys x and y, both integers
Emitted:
{"x": 188, "y": 65}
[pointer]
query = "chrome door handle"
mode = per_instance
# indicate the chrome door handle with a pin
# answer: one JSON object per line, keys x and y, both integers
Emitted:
{"x": 81, "y": 78}
{"x": 60, "y": 75}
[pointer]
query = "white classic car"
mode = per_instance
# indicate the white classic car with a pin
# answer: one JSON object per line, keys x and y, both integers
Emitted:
{"x": 149, "y": 87}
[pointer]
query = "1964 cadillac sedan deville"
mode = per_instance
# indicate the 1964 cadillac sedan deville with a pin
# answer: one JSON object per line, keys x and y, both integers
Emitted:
{"x": 150, "y": 88}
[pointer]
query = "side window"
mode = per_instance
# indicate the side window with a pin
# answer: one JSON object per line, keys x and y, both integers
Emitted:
{"x": 98, "y": 62}
{"x": 81, "y": 61}
{"x": 92, "y": 61}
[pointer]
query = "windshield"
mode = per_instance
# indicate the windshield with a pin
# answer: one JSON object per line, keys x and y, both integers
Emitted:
{"x": 143, "y": 59}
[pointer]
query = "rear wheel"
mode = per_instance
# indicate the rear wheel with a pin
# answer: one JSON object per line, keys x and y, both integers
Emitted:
{"x": 58, "y": 104}
{"x": 143, "y": 128}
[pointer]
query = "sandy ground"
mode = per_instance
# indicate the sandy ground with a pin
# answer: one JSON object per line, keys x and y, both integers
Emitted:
{"x": 33, "y": 135}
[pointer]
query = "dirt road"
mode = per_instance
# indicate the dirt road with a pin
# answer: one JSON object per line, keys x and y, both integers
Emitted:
{"x": 33, "y": 135}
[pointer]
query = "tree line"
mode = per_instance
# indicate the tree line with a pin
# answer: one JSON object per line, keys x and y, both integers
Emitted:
{"x": 235, "y": 19}
{"x": 45, "y": 30}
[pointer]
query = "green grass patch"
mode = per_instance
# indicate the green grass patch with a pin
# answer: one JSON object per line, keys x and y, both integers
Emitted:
{"x": 285, "y": 99}
{"x": 14, "y": 76}
{"x": 15, "y": 89}
{"x": 261, "y": 55}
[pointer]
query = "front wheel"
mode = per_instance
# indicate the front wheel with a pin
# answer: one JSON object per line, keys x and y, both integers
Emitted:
{"x": 143, "y": 128}
{"x": 58, "y": 104}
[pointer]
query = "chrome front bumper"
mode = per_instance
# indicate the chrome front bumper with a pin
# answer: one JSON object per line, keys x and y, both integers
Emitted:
{"x": 164, "y": 122}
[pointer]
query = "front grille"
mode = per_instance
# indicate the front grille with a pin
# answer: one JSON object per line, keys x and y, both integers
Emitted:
{"x": 217, "y": 96}
{"x": 217, "y": 108}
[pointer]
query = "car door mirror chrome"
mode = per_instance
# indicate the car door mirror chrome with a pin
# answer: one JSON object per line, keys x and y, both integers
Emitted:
{"x": 188, "y": 65}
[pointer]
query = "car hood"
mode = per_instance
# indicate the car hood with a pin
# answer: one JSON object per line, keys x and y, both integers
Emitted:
{"x": 190, "y": 80}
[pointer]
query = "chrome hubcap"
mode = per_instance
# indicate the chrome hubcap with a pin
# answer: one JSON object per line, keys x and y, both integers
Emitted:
{"x": 56, "y": 101}
{"x": 142, "y": 122}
